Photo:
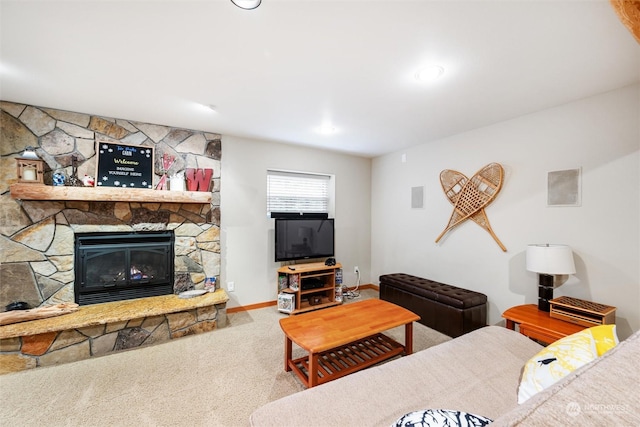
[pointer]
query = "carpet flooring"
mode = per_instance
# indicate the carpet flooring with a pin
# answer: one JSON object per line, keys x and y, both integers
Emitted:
{"x": 212, "y": 379}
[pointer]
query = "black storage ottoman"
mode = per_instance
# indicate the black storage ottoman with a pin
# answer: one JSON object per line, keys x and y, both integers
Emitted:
{"x": 448, "y": 309}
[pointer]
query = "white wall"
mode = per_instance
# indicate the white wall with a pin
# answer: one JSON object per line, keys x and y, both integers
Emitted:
{"x": 601, "y": 135}
{"x": 247, "y": 235}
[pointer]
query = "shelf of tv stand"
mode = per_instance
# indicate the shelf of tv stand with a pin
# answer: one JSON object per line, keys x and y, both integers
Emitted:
{"x": 311, "y": 291}
{"x": 106, "y": 194}
{"x": 306, "y": 291}
{"x": 309, "y": 271}
{"x": 306, "y": 307}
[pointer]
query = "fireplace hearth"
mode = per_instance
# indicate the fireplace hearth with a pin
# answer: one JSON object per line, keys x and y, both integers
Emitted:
{"x": 120, "y": 266}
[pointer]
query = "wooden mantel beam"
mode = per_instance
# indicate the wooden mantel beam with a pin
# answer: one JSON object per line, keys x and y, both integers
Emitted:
{"x": 106, "y": 194}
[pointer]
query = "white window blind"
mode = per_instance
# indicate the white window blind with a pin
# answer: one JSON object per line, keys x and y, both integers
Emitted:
{"x": 297, "y": 192}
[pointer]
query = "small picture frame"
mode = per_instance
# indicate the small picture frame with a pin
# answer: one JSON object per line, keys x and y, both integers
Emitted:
{"x": 564, "y": 187}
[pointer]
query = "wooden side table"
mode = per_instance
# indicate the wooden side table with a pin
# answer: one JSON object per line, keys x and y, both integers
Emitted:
{"x": 538, "y": 325}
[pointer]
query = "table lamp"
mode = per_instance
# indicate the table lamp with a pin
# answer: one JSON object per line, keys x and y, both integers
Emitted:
{"x": 549, "y": 260}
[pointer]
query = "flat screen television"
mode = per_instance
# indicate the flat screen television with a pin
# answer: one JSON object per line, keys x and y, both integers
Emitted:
{"x": 304, "y": 238}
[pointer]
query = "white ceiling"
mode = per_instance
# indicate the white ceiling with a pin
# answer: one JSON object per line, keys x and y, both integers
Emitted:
{"x": 280, "y": 71}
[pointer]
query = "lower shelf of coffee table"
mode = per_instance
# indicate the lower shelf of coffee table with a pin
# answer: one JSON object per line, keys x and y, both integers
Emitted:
{"x": 352, "y": 357}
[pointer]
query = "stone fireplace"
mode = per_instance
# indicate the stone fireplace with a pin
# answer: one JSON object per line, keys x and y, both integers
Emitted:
{"x": 37, "y": 237}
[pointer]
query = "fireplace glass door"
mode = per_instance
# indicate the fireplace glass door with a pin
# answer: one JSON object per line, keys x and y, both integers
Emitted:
{"x": 112, "y": 267}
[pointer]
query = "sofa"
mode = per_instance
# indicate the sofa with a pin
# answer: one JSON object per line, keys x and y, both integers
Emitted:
{"x": 477, "y": 373}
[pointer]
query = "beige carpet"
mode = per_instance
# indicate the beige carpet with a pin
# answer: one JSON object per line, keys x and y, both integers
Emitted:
{"x": 211, "y": 379}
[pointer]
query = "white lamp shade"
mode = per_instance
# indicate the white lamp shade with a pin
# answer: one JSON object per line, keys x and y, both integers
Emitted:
{"x": 550, "y": 259}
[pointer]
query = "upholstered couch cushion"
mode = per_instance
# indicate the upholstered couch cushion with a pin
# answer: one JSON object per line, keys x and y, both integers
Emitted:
{"x": 601, "y": 393}
{"x": 476, "y": 373}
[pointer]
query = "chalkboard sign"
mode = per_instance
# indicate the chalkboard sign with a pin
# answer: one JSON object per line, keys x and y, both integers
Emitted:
{"x": 125, "y": 166}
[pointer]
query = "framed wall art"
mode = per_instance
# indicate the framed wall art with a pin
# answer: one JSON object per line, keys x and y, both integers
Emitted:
{"x": 564, "y": 188}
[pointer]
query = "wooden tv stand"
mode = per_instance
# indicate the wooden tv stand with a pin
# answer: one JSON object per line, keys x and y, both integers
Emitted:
{"x": 297, "y": 281}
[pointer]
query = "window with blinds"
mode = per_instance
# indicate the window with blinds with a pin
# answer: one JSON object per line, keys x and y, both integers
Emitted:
{"x": 297, "y": 192}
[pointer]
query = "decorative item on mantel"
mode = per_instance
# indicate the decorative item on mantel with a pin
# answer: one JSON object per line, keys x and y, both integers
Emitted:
{"x": 167, "y": 162}
{"x": 192, "y": 293}
{"x": 43, "y": 312}
{"x": 88, "y": 181}
{"x": 73, "y": 180}
{"x": 59, "y": 178}
{"x": 469, "y": 197}
{"x": 210, "y": 284}
{"x": 124, "y": 166}
{"x": 199, "y": 179}
{"x": 30, "y": 168}
{"x": 176, "y": 182}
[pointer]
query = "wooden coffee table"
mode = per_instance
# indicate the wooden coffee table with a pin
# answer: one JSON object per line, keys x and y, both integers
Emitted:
{"x": 344, "y": 339}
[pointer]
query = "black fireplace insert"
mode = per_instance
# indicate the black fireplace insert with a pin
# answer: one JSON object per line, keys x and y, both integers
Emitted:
{"x": 120, "y": 266}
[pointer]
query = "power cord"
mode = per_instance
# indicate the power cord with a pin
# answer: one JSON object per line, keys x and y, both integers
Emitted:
{"x": 353, "y": 293}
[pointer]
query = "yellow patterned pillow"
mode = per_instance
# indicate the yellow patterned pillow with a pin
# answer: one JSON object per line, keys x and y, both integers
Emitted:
{"x": 556, "y": 361}
{"x": 605, "y": 338}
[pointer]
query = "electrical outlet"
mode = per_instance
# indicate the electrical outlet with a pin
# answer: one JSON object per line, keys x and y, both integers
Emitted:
{"x": 231, "y": 286}
{"x": 356, "y": 270}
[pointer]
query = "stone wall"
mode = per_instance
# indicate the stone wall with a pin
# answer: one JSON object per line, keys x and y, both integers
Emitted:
{"x": 37, "y": 237}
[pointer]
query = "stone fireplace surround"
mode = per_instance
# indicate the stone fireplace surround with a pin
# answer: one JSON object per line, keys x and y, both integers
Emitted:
{"x": 37, "y": 237}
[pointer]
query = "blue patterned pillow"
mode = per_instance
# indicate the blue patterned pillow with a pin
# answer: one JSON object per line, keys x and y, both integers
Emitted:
{"x": 441, "y": 417}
